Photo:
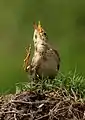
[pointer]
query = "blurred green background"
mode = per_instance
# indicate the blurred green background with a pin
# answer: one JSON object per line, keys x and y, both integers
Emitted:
{"x": 64, "y": 21}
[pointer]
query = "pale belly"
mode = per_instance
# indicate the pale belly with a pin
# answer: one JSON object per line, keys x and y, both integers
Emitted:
{"x": 48, "y": 67}
{"x": 46, "y": 64}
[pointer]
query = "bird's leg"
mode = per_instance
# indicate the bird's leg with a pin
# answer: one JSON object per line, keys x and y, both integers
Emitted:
{"x": 26, "y": 60}
{"x": 34, "y": 70}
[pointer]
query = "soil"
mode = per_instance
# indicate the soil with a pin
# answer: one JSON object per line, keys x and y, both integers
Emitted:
{"x": 54, "y": 105}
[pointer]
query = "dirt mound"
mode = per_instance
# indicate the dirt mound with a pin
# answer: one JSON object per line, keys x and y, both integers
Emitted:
{"x": 41, "y": 106}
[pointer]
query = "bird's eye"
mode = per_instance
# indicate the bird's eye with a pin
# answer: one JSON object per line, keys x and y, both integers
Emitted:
{"x": 35, "y": 36}
{"x": 45, "y": 33}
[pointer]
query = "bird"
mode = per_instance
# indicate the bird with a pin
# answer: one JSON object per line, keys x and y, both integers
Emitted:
{"x": 46, "y": 60}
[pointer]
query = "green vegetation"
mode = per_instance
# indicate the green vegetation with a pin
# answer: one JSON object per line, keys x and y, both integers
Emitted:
{"x": 72, "y": 84}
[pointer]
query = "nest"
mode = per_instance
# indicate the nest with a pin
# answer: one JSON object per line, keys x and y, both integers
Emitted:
{"x": 54, "y": 105}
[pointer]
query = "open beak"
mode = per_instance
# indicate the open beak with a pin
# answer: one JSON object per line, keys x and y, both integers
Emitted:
{"x": 37, "y": 27}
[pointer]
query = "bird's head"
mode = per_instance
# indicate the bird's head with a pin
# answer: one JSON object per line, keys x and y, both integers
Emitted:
{"x": 39, "y": 33}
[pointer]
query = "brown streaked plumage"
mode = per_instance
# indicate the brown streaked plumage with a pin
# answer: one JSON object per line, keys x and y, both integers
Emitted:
{"x": 46, "y": 60}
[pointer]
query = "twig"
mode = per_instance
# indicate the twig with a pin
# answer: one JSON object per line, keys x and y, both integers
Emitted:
{"x": 41, "y": 118}
{"x": 37, "y": 102}
{"x": 8, "y": 112}
{"x": 15, "y": 116}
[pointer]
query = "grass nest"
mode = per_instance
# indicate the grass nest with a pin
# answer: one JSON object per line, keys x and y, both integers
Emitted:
{"x": 45, "y": 100}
